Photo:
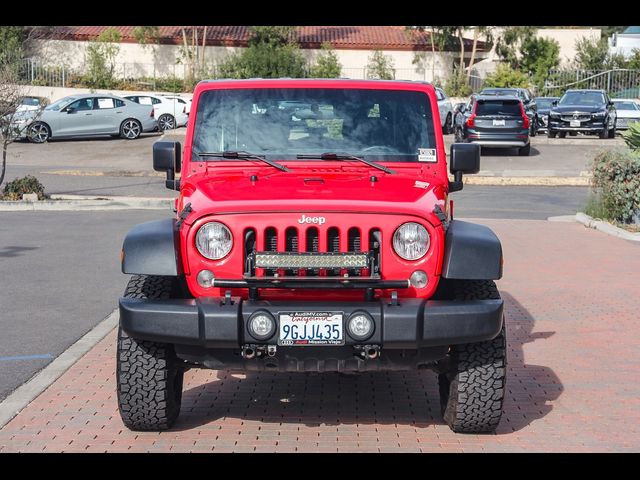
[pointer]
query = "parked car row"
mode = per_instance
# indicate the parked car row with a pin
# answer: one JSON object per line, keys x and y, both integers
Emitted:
{"x": 98, "y": 114}
{"x": 508, "y": 117}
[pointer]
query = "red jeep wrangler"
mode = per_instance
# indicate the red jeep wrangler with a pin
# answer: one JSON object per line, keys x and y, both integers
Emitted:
{"x": 313, "y": 233}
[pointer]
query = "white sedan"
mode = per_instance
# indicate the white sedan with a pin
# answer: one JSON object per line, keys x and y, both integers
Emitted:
{"x": 169, "y": 112}
{"x": 446, "y": 111}
{"x": 628, "y": 111}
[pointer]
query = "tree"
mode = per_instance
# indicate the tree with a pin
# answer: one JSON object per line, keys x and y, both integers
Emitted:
{"x": 488, "y": 38}
{"x": 272, "y": 52}
{"x": 101, "y": 59}
{"x": 15, "y": 44}
{"x": 592, "y": 54}
{"x": 327, "y": 64}
{"x": 380, "y": 66}
{"x": 191, "y": 53}
{"x": 509, "y": 42}
{"x": 437, "y": 38}
{"x": 538, "y": 56}
{"x": 505, "y": 76}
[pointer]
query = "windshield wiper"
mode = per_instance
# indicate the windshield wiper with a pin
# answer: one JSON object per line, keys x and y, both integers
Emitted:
{"x": 242, "y": 155}
{"x": 346, "y": 156}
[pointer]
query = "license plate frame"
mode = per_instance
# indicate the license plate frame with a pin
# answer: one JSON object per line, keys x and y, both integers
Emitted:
{"x": 499, "y": 123}
{"x": 575, "y": 123}
{"x": 309, "y": 328}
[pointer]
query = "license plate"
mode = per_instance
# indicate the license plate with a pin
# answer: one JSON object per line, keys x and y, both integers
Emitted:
{"x": 498, "y": 123}
{"x": 574, "y": 123}
{"x": 311, "y": 328}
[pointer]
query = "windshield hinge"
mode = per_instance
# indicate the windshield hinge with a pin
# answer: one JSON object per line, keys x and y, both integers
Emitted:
{"x": 184, "y": 214}
{"x": 441, "y": 215}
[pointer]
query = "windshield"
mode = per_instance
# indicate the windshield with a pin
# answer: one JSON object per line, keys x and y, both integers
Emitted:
{"x": 582, "y": 98}
{"x": 544, "y": 103}
{"x": 626, "y": 105}
{"x": 31, "y": 101}
{"x": 285, "y": 122}
{"x": 499, "y": 91}
{"x": 57, "y": 105}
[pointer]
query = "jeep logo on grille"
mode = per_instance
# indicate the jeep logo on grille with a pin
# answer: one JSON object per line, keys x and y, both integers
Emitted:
{"x": 316, "y": 220}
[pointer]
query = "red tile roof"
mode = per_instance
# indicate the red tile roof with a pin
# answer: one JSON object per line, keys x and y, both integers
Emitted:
{"x": 340, "y": 37}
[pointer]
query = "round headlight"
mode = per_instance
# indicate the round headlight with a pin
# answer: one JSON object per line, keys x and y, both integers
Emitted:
{"x": 214, "y": 240}
{"x": 411, "y": 241}
{"x": 262, "y": 326}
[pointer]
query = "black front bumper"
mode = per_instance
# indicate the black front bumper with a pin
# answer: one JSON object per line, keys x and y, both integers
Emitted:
{"x": 216, "y": 323}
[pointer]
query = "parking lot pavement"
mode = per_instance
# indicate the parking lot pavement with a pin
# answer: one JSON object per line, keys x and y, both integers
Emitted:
{"x": 571, "y": 313}
{"x": 60, "y": 276}
{"x": 111, "y": 166}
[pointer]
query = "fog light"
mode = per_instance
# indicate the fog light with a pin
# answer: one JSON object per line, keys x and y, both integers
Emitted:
{"x": 360, "y": 326}
{"x": 206, "y": 278}
{"x": 418, "y": 279}
{"x": 262, "y": 326}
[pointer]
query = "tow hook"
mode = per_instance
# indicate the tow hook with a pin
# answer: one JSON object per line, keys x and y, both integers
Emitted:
{"x": 368, "y": 351}
{"x": 250, "y": 351}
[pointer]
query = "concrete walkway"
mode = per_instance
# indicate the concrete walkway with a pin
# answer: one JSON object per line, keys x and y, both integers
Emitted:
{"x": 571, "y": 307}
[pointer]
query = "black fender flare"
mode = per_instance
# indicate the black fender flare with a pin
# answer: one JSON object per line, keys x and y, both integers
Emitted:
{"x": 151, "y": 248}
{"x": 471, "y": 252}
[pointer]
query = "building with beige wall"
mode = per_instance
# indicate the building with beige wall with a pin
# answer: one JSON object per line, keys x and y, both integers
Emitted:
{"x": 410, "y": 52}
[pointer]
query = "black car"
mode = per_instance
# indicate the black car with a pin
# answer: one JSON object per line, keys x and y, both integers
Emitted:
{"x": 585, "y": 111}
{"x": 494, "y": 121}
{"x": 530, "y": 104}
{"x": 544, "y": 107}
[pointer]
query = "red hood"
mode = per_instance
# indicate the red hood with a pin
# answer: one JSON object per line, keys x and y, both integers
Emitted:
{"x": 322, "y": 189}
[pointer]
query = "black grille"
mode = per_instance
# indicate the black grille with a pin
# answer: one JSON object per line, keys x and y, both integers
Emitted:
{"x": 310, "y": 238}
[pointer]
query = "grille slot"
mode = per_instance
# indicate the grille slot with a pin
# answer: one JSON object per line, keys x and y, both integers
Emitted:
{"x": 313, "y": 246}
{"x": 271, "y": 245}
{"x": 291, "y": 245}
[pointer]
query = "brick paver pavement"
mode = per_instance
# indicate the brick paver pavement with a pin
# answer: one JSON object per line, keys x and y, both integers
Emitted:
{"x": 574, "y": 377}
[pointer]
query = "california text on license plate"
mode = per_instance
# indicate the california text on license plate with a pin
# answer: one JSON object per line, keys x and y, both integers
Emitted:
{"x": 311, "y": 328}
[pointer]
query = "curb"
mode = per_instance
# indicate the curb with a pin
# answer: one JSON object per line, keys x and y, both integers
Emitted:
{"x": 529, "y": 181}
{"x": 606, "y": 227}
{"x": 27, "y": 392}
{"x": 81, "y": 203}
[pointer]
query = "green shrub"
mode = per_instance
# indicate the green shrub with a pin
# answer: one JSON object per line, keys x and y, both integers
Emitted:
{"x": 616, "y": 178}
{"x": 505, "y": 77}
{"x": 14, "y": 189}
{"x": 632, "y": 136}
{"x": 457, "y": 85}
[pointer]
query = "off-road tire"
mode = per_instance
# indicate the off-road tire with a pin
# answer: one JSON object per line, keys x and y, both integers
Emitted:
{"x": 612, "y": 133}
{"x": 551, "y": 134}
{"x": 472, "y": 389}
{"x": 525, "y": 151}
{"x": 562, "y": 134}
{"x": 603, "y": 134}
{"x": 149, "y": 376}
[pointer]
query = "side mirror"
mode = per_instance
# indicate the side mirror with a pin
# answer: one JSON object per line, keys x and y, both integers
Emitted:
{"x": 554, "y": 103}
{"x": 464, "y": 158}
{"x": 167, "y": 157}
{"x": 70, "y": 110}
{"x": 610, "y": 103}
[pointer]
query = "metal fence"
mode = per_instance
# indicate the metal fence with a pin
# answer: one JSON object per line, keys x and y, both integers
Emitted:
{"x": 619, "y": 83}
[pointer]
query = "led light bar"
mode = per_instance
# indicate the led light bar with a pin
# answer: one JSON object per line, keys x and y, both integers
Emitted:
{"x": 310, "y": 260}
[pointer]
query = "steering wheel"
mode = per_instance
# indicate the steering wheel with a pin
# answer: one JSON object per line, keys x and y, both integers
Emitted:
{"x": 384, "y": 148}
